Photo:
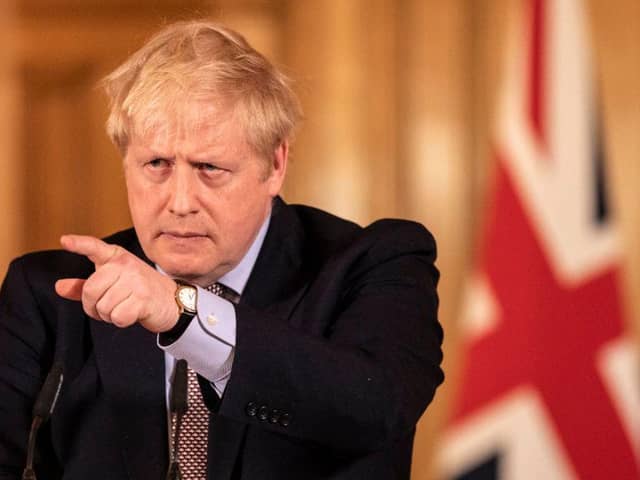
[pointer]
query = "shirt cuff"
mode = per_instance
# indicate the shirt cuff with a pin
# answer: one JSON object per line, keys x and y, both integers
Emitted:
{"x": 208, "y": 343}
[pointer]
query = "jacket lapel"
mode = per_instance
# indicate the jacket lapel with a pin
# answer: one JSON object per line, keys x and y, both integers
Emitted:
{"x": 276, "y": 285}
{"x": 278, "y": 281}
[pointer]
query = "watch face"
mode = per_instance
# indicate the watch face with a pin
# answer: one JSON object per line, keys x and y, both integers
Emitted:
{"x": 187, "y": 297}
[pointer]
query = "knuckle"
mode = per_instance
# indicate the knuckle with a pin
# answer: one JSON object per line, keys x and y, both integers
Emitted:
{"x": 88, "y": 292}
{"x": 88, "y": 306}
{"x": 118, "y": 320}
{"x": 121, "y": 318}
{"x": 118, "y": 251}
{"x": 103, "y": 311}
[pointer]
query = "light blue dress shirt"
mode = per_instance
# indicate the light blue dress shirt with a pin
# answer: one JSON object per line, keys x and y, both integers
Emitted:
{"x": 208, "y": 344}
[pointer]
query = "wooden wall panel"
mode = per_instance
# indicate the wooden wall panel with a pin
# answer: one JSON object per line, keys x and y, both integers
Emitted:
{"x": 54, "y": 175}
{"x": 94, "y": 10}
{"x": 261, "y": 22}
{"x": 616, "y": 32}
{"x": 11, "y": 220}
{"x": 436, "y": 163}
{"x": 344, "y": 156}
{"x": 69, "y": 176}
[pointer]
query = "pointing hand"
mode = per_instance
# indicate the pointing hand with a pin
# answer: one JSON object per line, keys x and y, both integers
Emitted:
{"x": 123, "y": 289}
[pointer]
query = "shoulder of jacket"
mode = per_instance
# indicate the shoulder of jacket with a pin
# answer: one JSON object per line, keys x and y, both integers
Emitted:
{"x": 58, "y": 263}
{"x": 402, "y": 232}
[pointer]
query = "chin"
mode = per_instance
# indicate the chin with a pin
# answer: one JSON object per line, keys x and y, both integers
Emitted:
{"x": 186, "y": 268}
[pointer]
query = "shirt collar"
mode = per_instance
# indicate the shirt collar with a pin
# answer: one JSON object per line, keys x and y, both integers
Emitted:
{"x": 237, "y": 278}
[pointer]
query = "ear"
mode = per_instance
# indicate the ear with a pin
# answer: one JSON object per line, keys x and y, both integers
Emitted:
{"x": 279, "y": 162}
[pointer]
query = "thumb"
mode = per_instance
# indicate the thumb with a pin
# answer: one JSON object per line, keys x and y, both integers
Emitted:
{"x": 70, "y": 288}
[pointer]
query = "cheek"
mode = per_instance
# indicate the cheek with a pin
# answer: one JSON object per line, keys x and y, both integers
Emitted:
{"x": 248, "y": 207}
{"x": 250, "y": 211}
{"x": 239, "y": 213}
{"x": 136, "y": 198}
{"x": 143, "y": 203}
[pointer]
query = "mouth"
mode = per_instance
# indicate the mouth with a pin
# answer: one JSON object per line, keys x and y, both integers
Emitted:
{"x": 182, "y": 235}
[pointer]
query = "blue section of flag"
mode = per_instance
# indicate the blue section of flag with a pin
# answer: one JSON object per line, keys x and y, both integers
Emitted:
{"x": 486, "y": 470}
{"x": 601, "y": 207}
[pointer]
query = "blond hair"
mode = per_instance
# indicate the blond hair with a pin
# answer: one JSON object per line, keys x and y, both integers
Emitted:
{"x": 206, "y": 62}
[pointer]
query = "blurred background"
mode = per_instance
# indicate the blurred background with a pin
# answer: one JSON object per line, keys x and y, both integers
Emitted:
{"x": 400, "y": 99}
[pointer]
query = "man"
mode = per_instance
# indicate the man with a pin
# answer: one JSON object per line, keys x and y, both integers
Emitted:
{"x": 315, "y": 341}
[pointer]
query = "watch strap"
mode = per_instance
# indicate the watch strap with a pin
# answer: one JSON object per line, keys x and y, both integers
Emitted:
{"x": 173, "y": 334}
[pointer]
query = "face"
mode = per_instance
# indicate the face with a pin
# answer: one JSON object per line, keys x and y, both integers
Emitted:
{"x": 198, "y": 194}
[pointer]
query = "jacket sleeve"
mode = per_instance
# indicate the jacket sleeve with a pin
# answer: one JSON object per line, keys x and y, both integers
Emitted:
{"x": 358, "y": 362}
{"x": 26, "y": 349}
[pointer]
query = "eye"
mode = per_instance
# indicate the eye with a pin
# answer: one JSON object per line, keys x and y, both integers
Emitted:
{"x": 158, "y": 163}
{"x": 207, "y": 167}
{"x": 212, "y": 173}
{"x": 158, "y": 169}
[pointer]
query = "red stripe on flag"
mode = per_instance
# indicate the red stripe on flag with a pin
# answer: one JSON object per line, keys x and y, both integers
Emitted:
{"x": 547, "y": 337}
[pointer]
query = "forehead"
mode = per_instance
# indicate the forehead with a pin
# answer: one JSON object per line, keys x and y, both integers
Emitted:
{"x": 196, "y": 125}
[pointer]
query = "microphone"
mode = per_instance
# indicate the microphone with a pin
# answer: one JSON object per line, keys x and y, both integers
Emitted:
{"x": 178, "y": 405}
{"x": 42, "y": 410}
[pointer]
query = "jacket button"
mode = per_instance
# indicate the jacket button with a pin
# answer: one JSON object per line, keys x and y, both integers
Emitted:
{"x": 263, "y": 413}
{"x": 284, "y": 420}
{"x": 275, "y": 416}
{"x": 251, "y": 409}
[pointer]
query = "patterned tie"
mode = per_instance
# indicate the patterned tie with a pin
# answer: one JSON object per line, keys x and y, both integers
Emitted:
{"x": 224, "y": 292}
{"x": 192, "y": 449}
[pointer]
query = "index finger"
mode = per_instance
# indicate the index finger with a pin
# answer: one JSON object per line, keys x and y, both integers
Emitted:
{"x": 93, "y": 248}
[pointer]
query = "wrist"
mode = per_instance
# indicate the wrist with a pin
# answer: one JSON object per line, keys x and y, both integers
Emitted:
{"x": 186, "y": 299}
{"x": 174, "y": 333}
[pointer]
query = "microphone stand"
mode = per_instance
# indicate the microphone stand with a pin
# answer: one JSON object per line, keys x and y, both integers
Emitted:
{"x": 28, "y": 473}
{"x": 42, "y": 410}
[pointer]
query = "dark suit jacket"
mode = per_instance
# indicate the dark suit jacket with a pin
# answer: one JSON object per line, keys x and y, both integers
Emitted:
{"x": 337, "y": 356}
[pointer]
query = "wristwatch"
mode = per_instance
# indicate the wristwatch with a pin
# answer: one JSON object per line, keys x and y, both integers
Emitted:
{"x": 187, "y": 300}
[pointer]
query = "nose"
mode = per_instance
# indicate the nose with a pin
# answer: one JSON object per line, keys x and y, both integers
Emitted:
{"x": 183, "y": 199}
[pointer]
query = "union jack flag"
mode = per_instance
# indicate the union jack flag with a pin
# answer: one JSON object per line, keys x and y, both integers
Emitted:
{"x": 549, "y": 383}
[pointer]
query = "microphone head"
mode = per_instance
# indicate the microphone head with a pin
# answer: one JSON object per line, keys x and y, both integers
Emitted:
{"x": 178, "y": 402}
{"x": 46, "y": 401}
